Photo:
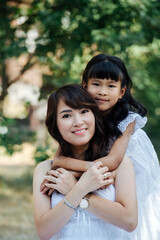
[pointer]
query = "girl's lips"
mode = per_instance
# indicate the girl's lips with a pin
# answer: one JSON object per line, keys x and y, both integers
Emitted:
{"x": 101, "y": 100}
{"x": 80, "y": 131}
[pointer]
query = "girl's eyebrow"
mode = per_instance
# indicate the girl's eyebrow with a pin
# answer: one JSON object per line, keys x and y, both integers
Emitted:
{"x": 95, "y": 79}
{"x": 111, "y": 80}
{"x": 65, "y": 111}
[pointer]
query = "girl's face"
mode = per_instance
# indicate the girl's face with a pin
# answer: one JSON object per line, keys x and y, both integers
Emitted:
{"x": 77, "y": 126}
{"x": 106, "y": 92}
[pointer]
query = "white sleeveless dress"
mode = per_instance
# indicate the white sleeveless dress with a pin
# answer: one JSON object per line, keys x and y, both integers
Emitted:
{"x": 85, "y": 226}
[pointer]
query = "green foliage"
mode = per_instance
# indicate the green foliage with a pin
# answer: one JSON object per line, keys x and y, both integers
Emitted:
{"x": 43, "y": 153}
{"x": 69, "y": 33}
{"x": 13, "y": 134}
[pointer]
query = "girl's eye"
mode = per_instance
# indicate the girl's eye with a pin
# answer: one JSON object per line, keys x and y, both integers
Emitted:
{"x": 85, "y": 111}
{"x": 95, "y": 84}
{"x": 66, "y": 116}
{"x": 111, "y": 86}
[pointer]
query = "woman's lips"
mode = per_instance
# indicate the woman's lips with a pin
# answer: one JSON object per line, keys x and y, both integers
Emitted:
{"x": 80, "y": 131}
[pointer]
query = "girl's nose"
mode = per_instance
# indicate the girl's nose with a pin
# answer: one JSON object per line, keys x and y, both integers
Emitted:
{"x": 102, "y": 91}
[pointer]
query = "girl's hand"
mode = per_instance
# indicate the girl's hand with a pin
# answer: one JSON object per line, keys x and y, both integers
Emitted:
{"x": 95, "y": 178}
{"x": 56, "y": 163}
{"x": 62, "y": 182}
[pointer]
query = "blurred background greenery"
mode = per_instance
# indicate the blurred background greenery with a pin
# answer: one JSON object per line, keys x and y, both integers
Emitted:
{"x": 45, "y": 44}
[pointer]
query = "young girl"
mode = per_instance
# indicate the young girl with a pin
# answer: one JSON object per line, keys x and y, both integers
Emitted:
{"x": 73, "y": 120}
{"x": 107, "y": 80}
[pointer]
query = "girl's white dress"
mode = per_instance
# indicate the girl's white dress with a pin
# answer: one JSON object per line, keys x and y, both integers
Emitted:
{"x": 85, "y": 226}
{"x": 141, "y": 151}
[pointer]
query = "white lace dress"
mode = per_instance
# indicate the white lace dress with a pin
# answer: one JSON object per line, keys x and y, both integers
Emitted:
{"x": 141, "y": 151}
{"x": 85, "y": 226}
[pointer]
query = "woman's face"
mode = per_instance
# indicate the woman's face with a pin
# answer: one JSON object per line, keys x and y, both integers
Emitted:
{"x": 77, "y": 126}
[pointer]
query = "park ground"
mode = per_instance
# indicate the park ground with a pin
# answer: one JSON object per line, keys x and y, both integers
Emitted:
{"x": 16, "y": 202}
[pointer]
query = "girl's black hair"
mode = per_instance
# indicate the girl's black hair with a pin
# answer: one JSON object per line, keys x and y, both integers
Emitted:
{"x": 105, "y": 66}
{"x": 76, "y": 97}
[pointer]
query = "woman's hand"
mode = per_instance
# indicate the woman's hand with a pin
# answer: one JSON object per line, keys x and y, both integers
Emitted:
{"x": 43, "y": 188}
{"x": 62, "y": 181}
{"x": 95, "y": 177}
{"x": 53, "y": 173}
{"x": 113, "y": 174}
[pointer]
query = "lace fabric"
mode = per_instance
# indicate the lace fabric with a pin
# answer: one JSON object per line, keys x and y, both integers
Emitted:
{"x": 139, "y": 121}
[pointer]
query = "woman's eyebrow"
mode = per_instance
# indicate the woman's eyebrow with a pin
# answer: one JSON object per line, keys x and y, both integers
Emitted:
{"x": 66, "y": 110}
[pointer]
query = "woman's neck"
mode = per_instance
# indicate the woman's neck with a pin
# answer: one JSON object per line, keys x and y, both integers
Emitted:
{"x": 79, "y": 151}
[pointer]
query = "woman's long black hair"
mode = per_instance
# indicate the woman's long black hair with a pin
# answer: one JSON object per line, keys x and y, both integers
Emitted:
{"x": 76, "y": 97}
{"x": 105, "y": 66}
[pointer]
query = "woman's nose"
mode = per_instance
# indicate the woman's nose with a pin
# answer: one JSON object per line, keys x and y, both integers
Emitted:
{"x": 78, "y": 121}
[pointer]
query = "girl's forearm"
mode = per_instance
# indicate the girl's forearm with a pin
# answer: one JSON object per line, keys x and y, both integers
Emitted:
{"x": 112, "y": 160}
{"x": 117, "y": 152}
{"x": 71, "y": 164}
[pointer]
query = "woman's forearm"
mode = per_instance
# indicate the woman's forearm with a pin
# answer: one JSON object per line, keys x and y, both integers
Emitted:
{"x": 123, "y": 212}
{"x": 51, "y": 222}
{"x": 113, "y": 212}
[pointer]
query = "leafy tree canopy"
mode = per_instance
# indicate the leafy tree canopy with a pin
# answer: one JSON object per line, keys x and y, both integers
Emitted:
{"x": 64, "y": 35}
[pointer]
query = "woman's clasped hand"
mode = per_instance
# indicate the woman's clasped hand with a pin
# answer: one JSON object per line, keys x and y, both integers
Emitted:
{"x": 62, "y": 180}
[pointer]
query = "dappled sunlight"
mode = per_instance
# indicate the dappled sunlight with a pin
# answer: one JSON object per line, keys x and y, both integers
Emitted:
{"x": 19, "y": 158}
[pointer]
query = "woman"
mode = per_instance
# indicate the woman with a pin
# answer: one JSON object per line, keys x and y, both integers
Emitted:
{"x": 73, "y": 120}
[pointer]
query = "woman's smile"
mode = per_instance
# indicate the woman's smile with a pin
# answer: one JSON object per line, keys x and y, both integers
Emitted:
{"x": 80, "y": 131}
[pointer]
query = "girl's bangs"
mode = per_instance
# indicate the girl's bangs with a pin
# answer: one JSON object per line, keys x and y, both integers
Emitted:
{"x": 105, "y": 70}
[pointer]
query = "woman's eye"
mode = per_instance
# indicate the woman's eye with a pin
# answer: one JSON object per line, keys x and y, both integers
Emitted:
{"x": 66, "y": 116}
{"x": 85, "y": 111}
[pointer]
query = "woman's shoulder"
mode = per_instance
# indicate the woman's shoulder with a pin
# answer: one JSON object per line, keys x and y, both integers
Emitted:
{"x": 126, "y": 163}
{"x": 44, "y": 166}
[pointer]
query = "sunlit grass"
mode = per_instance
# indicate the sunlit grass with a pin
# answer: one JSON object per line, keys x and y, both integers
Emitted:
{"x": 16, "y": 211}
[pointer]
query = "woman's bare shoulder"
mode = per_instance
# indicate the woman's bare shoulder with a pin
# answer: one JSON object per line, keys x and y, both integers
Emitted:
{"x": 44, "y": 166}
{"x": 125, "y": 165}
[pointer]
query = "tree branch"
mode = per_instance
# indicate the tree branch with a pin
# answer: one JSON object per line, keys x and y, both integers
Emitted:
{"x": 5, "y": 81}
